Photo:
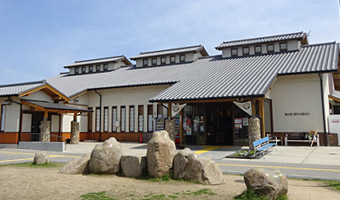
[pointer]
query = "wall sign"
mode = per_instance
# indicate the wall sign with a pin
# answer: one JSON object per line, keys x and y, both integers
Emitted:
{"x": 297, "y": 114}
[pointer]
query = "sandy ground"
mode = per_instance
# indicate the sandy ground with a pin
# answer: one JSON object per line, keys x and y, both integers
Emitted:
{"x": 46, "y": 183}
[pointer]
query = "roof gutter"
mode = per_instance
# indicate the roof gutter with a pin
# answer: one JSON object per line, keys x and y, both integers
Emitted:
{"x": 100, "y": 114}
{"x": 323, "y": 112}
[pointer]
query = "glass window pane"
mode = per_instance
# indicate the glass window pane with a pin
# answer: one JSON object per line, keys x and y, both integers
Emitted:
{"x": 114, "y": 119}
{"x": 132, "y": 119}
{"x": 123, "y": 120}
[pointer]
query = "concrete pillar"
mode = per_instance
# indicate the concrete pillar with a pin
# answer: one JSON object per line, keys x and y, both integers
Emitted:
{"x": 74, "y": 132}
{"x": 170, "y": 128}
{"x": 254, "y": 131}
{"x": 45, "y": 127}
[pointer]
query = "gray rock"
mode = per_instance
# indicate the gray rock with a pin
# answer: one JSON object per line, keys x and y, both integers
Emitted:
{"x": 41, "y": 158}
{"x": 105, "y": 158}
{"x": 77, "y": 166}
{"x": 160, "y": 154}
{"x": 191, "y": 167}
{"x": 271, "y": 183}
{"x": 133, "y": 166}
{"x": 180, "y": 163}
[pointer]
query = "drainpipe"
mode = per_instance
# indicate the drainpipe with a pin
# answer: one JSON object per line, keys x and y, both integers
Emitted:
{"x": 20, "y": 119}
{"x": 100, "y": 115}
{"x": 323, "y": 112}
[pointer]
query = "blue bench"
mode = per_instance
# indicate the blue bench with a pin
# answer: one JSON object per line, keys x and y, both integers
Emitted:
{"x": 262, "y": 145}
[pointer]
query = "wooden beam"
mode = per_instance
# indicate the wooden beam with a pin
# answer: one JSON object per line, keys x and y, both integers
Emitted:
{"x": 75, "y": 117}
{"x": 48, "y": 87}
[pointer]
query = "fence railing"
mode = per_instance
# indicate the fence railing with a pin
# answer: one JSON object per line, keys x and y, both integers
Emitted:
{"x": 35, "y": 137}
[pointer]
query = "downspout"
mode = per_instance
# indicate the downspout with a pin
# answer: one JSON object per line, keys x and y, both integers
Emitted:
{"x": 20, "y": 119}
{"x": 100, "y": 115}
{"x": 323, "y": 112}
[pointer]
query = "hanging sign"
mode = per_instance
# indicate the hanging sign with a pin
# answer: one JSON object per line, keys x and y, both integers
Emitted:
{"x": 176, "y": 108}
{"x": 245, "y": 106}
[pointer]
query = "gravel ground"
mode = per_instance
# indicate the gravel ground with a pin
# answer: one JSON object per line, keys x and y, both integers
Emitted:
{"x": 45, "y": 183}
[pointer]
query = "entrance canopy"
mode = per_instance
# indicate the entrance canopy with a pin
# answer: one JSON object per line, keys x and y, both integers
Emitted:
{"x": 53, "y": 107}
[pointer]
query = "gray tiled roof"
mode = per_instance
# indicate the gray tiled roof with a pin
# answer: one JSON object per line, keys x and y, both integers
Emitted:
{"x": 57, "y": 106}
{"x": 209, "y": 77}
{"x": 97, "y": 61}
{"x": 16, "y": 89}
{"x": 171, "y": 51}
{"x": 274, "y": 38}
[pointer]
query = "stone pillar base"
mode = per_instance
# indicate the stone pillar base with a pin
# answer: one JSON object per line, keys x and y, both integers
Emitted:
{"x": 74, "y": 132}
{"x": 254, "y": 131}
{"x": 170, "y": 128}
{"x": 45, "y": 131}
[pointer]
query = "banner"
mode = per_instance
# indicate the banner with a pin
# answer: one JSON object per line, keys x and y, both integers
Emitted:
{"x": 245, "y": 106}
{"x": 176, "y": 108}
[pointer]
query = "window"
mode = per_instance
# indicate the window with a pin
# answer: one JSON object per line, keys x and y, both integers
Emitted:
{"x": 83, "y": 70}
{"x": 145, "y": 62}
{"x": 283, "y": 46}
{"x": 150, "y": 118}
{"x": 154, "y": 61}
{"x": 89, "y": 121}
{"x": 106, "y": 119}
{"x": 97, "y": 68}
{"x": 90, "y": 68}
{"x": 106, "y": 67}
{"x": 141, "y": 118}
{"x": 234, "y": 52}
{"x": 172, "y": 59}
{"x": 182, "y": 58}
{"x": 132, "y": 119}
{"x": 245, "y": 51}
{"x": 3, "y": 117}
{"x": 163, "y": 60}
{"x": 270, "y": 48}
{"x": 97, "y": 119}
{"x": 258, "y": 49}
{"x": 122, "y": 119}
{"x": 76, "y": 70}
{"x": 114, "y": 119}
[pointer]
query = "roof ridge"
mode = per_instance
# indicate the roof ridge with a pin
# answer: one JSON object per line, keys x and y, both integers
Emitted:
{"x": 171, "y": 49}
{"x": 255, "y": 38}
{"x": 23, "y": 83}
{"x": 95, "y": 59}
{"x": 323, "y": 43}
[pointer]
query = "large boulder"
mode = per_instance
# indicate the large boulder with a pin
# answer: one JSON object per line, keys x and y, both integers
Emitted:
{"x": 133, "y": 166}
{"x": 270, "y": 183}
{"x": 41, "y": 158}
{"x": 160, "y": 154}
{"x": 105, "y": 158}
{"x": 191, "y": 167}
{"x": 77, "y": 166}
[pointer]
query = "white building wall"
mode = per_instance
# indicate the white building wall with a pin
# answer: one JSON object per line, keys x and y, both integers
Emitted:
{"x": 297, "y": 94}
{"x": 134, "y": 96}
{"x": 55, "y": 123}
{"x": 26, "y": 122}
{"x": 39, "y": 95}
{"x": 326, "y": 93}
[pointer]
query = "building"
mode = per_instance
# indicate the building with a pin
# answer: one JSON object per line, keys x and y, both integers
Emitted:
{"x": 281, "y": 78}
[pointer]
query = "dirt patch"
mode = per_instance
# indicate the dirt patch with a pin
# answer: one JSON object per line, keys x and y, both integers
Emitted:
{"x": 46, "y": 183}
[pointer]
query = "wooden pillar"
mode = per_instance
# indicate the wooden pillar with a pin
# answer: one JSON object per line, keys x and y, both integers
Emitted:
{"x": 181, "y": 127}
{"x": 253, "y": 107}
{"x": 170, "y": 110}
{"x": 45, "y": 116}
{"x": 75, "y": 117}
{"x": 261, "y": 114}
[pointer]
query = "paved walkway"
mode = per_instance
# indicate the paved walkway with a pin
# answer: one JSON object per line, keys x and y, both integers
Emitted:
{"x": 303, "y": 162}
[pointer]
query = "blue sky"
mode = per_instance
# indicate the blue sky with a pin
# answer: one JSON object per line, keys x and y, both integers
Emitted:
{"x": 37, "y": 38}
